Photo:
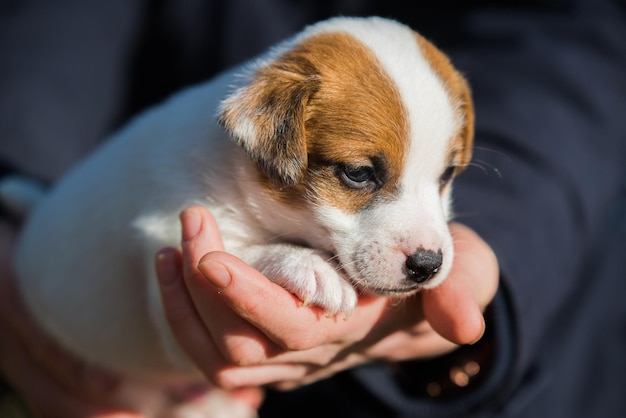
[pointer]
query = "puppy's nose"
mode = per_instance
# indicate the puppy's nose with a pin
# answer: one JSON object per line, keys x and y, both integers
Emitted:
{"x": 423, "y": 265}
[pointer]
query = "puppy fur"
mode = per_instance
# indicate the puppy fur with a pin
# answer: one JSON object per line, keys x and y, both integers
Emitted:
{"x": 327, "y": 163}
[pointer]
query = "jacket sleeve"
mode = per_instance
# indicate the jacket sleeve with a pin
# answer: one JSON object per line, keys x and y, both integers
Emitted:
{"x": 62, "y": 75}
{"x": 550, "y": 157}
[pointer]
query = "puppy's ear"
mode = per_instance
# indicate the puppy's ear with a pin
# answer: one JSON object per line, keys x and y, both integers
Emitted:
{"x": 466, "y": 106}
{"x": 266, "y": 117}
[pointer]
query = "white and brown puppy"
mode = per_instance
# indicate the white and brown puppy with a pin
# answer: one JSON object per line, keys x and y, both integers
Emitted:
{"x": 327, "y": 163}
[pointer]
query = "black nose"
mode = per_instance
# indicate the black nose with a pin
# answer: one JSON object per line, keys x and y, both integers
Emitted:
{"x": 423, "y": 265}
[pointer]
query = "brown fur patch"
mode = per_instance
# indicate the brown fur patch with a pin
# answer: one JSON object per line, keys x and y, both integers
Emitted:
{"x": 354, "y": 117}
{"x": 460, "y": 148}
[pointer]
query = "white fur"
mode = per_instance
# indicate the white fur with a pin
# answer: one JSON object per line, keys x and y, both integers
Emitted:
{"x": 85, "y": 259}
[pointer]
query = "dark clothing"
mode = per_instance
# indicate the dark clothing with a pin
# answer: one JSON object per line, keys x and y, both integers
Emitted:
{"x": 547, "y": 187}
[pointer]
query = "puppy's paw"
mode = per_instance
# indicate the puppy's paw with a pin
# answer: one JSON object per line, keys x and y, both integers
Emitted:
{"x": 313, "y": 277}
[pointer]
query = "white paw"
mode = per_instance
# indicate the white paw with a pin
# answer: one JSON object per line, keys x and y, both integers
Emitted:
{"x": 312, "y": 276}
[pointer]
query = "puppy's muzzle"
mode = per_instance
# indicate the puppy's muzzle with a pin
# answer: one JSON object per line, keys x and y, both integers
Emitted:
{"x": 423, "y": 265}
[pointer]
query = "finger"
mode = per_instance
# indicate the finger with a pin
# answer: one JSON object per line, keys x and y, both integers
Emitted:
{"x": 264, "y": 375}
{"x": 184, "y": 321}
{"x": 200, "y": 235}
{"x": 196, "y": 219}
{"x": 406, "y": 345}
{"x": 477, "y": 262}
{"x": 278, "y": 313}
{"x": 196, "y": 244}
{"x": 238, "y": 341}
{"x": 454, "y": 309}
{"x": 204, "y": 326}
{"x": 188, "y": 327}
{"x": 453, "y": 314}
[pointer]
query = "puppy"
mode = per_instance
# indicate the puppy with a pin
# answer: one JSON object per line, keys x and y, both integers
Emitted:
{"x": 327, "y": 163}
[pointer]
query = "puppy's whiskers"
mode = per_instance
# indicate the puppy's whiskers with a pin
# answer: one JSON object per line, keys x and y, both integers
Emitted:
{"x": 485, "y": 167}
{"x": 495, "y": 151}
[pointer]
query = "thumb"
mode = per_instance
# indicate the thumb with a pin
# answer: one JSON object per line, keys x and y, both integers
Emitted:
{"x": 454, "y": 309}
{"x": 453, "y": 313}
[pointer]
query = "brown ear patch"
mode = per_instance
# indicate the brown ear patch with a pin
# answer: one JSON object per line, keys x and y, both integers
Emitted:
{"x": 460, "y": 149}
{"x": 266, "y": 117}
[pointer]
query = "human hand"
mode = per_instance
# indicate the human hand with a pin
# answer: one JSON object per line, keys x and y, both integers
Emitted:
{"x": 52, "y": 382}
{"x": 243, "y": 331}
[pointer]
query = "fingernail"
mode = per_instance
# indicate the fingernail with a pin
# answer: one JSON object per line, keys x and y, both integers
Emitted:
{"x": 216, "y": 273}
{"x": 167, "y": 271}
{"x": 191, "y": 223}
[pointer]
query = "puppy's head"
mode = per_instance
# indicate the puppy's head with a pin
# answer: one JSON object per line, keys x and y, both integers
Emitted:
{"x": 361, "y": 124}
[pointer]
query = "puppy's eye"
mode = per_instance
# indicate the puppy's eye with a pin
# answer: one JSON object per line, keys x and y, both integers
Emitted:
{"x": 359, "y": 177}
{"x": 446, "y": 176}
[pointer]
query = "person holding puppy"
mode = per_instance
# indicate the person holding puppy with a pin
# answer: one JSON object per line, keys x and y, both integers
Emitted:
{"x": 545, "y": 199}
